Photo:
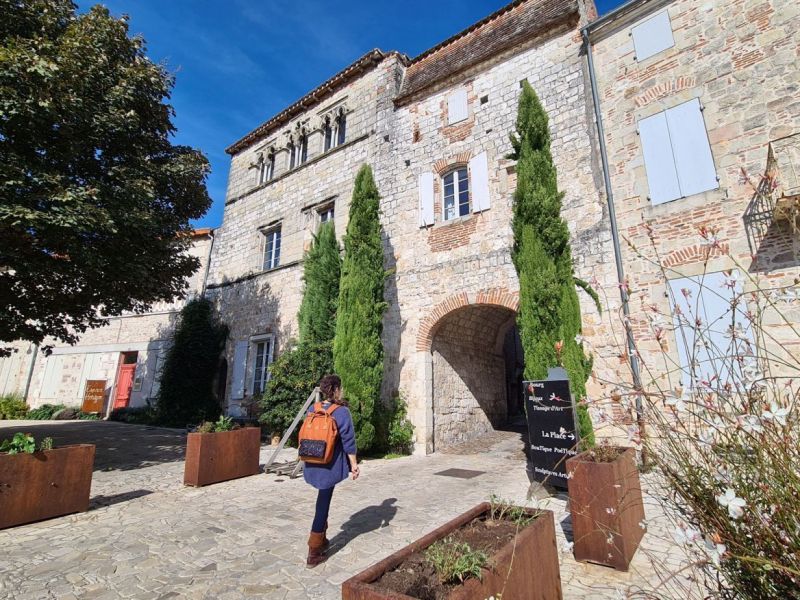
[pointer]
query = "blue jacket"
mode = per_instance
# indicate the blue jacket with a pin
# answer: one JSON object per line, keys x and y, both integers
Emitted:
{"x": 323, "y": 477}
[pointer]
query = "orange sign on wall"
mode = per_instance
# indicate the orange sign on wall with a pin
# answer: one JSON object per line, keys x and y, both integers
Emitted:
{"x": 94, "y": 396}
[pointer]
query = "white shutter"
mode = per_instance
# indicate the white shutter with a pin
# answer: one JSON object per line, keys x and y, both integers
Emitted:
{"x": 662, "y": 178}
{"x": 426, "y": 215}
{"x": 237, "y": 376}
{"x": 457, "y": 106}
{"x": 690, "y": 147}
{"x": 479, "y": 180}
{"x": 652, "y": 36}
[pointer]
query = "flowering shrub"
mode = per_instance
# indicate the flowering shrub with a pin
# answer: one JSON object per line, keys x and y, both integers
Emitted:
{"x": 720, "y": 405}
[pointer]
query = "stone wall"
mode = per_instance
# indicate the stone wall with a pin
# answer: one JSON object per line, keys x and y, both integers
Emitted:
{"x": 740, "y": 59}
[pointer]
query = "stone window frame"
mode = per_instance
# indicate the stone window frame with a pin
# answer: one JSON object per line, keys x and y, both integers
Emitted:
{"x": 454, "y": 170}
{"x": 275, "y": 260}
{"x": 326, "y": 209}
{"x": 266, "y": 166}
{"x": 253, "y": 344}
{"x": 441, "y": 168}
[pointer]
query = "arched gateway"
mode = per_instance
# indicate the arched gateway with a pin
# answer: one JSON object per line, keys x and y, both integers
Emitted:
{"x": 474, "y": 365}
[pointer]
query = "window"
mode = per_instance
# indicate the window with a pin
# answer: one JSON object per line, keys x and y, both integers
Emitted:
{"x": 262, "y": 351}
{"x": 652, "y": 36}
{"x": 292, "y": 155}
{"x": 302, "y": 150}
{"x": 341, "y": 128}
{"x": 328, "y": 134}
{"x": 267, "y": 169}
{"x": 335, "y": 130}
{"x": 272, "y": 249}
{"x": 457, "y": 106}
{"x": 705, "y": 310}
{"x": 677, "y": 155}
{"x": 456, "y": 194}
{"x": 326, "y": 214}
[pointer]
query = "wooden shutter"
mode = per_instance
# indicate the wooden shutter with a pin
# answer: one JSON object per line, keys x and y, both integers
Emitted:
{"x": 238, "y": 373}
{"x": 457, "y": 106}
{"x": 690, "y": 147}
{"x": 426, "y": 214}
{"x": 479, "y": 182}
{"x": 652, "y": 36}
{"x": 662, "y": 177}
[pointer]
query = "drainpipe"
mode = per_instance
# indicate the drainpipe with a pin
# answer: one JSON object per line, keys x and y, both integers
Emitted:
{"x": 623, "y": 292}
{"x": 29, "y": 378}
{"x": 208, "y": 265}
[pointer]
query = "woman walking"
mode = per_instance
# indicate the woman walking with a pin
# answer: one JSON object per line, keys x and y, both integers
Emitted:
{"x": 324, "y": 477}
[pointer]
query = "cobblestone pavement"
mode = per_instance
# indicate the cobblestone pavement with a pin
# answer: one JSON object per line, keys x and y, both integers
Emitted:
{"x": 148, "y": 537}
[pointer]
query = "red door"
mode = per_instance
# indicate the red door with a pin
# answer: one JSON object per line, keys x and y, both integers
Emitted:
{"x": 124, "y": 385}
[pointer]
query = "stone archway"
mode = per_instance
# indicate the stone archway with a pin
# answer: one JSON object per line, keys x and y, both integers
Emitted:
{"x": 469, "y": 344}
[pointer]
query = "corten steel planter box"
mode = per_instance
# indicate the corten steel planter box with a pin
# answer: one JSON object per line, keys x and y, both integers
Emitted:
{"x": 220, "y": 456}
{"x": 46, "y": 484}
{"x": 534, "y": 574}
{"x": 605, "y": 500}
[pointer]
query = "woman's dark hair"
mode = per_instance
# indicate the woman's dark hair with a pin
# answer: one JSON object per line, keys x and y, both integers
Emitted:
{"x": 328, "y": 386}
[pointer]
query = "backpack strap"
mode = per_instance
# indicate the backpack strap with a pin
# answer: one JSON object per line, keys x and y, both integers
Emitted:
{"x": 332, "y": 408}
{"x": 320, "y": 410}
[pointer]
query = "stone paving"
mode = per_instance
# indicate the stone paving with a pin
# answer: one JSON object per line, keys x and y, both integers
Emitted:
{"x": 149, "y": 537}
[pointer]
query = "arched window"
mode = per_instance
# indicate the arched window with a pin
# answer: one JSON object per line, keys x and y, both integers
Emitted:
{"x": 292, "y": 156}
{"x": 267, "y": 168}
{"x": 328, "y": 129}
{"x": 302, "y": 149}
{"x": 456, "y": 194}
{"x": 341, "y": 128}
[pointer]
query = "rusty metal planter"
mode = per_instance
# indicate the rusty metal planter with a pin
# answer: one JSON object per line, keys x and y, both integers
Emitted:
{"x": 43, "y": 485}
{"x": 528, "y": 571}
{"x": 220, "y": 456}
{"x": 605, "y": 501}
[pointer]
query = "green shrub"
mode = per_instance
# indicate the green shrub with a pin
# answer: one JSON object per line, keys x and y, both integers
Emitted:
{"x": 46, "y": 444}
{"x": 186, "y": 394}
{"x": 400, "y": 436}
{"x": 45, "y": 412}
{"x": 293, "y": 376}
{"x": 21, "y": 442}
{"x": 454, "y": 562}
{"x": 83, "y": 416}
{"x": 12, "y": 407}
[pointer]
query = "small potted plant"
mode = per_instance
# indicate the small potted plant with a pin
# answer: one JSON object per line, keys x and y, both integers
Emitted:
{"x": 605, "y": 499}
{"x": 38, "y": 484}
{"x": 220, "y": 451}
{"x": 495, "y": 549}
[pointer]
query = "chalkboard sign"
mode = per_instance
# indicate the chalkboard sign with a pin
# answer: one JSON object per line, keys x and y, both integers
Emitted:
{"x": 551, "y": 427}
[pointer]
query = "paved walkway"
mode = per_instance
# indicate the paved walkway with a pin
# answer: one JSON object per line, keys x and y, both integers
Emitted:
{"x": 148, "y": 537}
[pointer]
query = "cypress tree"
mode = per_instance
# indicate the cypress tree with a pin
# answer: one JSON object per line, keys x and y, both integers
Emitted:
{"x": 321, "y": 273}
{"x": 357, "y": 347}
{"x": 186, "y": 394}
{"x": 549, "y": 311}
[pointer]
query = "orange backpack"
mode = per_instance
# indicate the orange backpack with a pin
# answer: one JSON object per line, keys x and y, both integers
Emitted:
{"x": 317, "y": 437}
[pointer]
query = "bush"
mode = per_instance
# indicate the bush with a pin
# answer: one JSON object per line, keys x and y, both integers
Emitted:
{"x": 400, "y": 434}
{"x": 45, "y": 412}
{"x": 293, "y": 376}
{"x": 222, "y": 424}
{"x": 140, "y": 415}
{"x": 186, "y": 394}
{"x": 454, "y": 562}
{"x": 12, "y": 407}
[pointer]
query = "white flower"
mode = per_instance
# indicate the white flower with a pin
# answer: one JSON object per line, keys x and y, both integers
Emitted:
{"x": 578, "y": 338}
{"x": 750, "y": 424}
{"x": 734, "y": 504}
{"x": 707, "y": 435}
{"x": 611, "y": 511}
{"x": 676, "y": 402}
{"x": 715, "y": 551}
{"x": 776, "y": 413}
{"x": 686, "y": 534}
{"x": 733, "y": 280}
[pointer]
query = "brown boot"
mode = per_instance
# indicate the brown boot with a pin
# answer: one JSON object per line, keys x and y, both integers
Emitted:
{"x": 316, "y": 549}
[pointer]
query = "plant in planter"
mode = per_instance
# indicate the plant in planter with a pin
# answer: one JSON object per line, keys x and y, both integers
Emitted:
{"x": 37, "y": 485}
{"x": 219, "y": 451}
{"x": 605, "y": 499}
{"x": 487, "y": 551}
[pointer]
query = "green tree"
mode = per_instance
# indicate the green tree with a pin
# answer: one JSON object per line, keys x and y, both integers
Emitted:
{"x": 549, "y": 312}
{"x": 186, "y": 395}
{"x": 321, "y": 271}
{"x": 357, "y": 348}
{"x": 95, "y": 199}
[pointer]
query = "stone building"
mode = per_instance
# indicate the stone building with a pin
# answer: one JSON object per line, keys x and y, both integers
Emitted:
{"x": 698, "y": 101}
{"x": 127, "y": 353}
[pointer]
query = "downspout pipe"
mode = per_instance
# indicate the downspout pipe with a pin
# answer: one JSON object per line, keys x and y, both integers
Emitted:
{"x": 30, "y": 372}
{"x": 623, "y": 292}
{"x": 208, "y": 264}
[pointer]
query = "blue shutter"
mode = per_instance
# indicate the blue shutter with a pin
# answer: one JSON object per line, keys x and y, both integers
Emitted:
{"x": 690, "y": 148}
{"x": 652, "y": 36}
{"x": 662, "y": 177}
{"x": 426, "y": 215}
{"x": 238, "y": 372}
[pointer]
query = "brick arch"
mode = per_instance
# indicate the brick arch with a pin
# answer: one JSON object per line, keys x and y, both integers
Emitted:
{"x": 443, "y": 165}
{"x": 664, "y": 89}
{"x": 498, "y": 297}
{"x": 693, "y": 254}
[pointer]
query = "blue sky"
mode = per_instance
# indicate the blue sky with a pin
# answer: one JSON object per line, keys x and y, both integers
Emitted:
{"x": 238, "y": 62}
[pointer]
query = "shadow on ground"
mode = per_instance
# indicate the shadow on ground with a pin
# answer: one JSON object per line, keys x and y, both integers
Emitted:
{"x": 365, "y": 520}
{"x": 119, "y": 446}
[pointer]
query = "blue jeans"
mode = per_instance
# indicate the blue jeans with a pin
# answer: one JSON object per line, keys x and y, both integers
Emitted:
{"x": 323, "y": 507}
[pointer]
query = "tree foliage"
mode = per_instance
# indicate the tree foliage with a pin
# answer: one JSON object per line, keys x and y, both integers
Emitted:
{"x": 549, "y": 313}
{"x": 95, "y": 199}
{"x": 186, "y": 395}
{"x": 321, "y": 271}
{"x": 357, "y": 348}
